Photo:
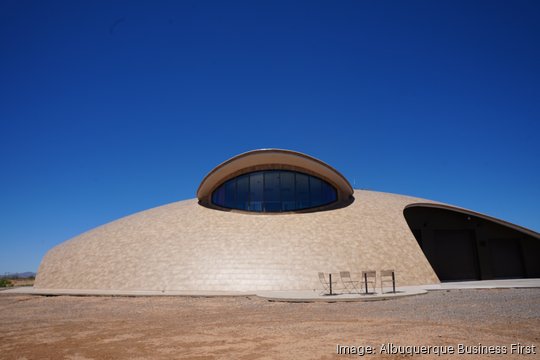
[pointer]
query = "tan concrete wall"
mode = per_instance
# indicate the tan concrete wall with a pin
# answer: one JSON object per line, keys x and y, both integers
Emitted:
{"x": 185, "y": 246}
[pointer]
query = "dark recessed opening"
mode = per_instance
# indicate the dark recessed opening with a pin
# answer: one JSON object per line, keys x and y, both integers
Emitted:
{"x": 465, "y": 247}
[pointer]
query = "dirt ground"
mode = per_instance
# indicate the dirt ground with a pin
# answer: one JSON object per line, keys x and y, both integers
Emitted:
{"x": 92, "y": 327}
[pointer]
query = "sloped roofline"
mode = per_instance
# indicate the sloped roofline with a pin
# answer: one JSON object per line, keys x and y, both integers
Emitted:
{"x": 504, "y": 223}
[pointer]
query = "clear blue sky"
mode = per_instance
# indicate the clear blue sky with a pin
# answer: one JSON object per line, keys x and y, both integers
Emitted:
{"x": 112, "y": 107}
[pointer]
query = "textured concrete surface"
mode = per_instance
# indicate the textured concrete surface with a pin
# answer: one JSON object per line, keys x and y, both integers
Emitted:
{"x": 187, "y": 247}
{"x": 295, "y": 295}
{"x": 288, "y": 295}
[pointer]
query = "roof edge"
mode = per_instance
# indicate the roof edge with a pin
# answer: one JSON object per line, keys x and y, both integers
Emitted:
{"x": 505, "y": 223}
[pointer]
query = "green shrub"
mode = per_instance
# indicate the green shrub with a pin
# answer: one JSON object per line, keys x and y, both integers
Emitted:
{"x": 5, "y": 283}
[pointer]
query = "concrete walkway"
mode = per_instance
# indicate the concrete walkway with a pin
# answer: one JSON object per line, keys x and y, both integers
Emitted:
{"x": 91, "y": 292}
{"x": 293, "y": 295}
{"x": 289, "y": 296}
{"x": 486, "y": 284}
{"x": 314, "y": 296}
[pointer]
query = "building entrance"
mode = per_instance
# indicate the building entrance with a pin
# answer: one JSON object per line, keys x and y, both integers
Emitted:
{"x": 466, "y": 246}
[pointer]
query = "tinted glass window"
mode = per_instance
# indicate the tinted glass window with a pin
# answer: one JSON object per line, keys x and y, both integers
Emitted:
{"x": 288, "y": 199}
{"x": 328, "y": 193}
{"x": 218, "y": 197}
{"x": 255, "y": 192}
{"x": 230, "y": 192}
{"x": 302, "y": 191}
{"x": 315, "y": 191}
{"x": 242, "y": 192}
{"x": 274, "y": 191}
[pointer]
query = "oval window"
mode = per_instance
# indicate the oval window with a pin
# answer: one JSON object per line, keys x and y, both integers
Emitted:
{"x": 274, "y": 191}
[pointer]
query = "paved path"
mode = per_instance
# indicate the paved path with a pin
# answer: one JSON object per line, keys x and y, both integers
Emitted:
{"x": 295, "y": 295}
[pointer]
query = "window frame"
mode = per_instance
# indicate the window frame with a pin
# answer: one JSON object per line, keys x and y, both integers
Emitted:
{"x": 262, "y": 206}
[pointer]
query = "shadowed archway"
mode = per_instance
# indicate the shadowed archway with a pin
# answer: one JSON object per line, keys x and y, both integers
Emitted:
{"x": 464, "y": 245}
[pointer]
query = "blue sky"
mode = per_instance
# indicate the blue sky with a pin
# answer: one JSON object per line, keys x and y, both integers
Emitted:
{"x": 112, "y": 107}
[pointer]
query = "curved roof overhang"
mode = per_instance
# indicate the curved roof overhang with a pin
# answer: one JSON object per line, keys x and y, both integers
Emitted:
{"x": 507, "y": 224}
{"x": 266, "y": 159}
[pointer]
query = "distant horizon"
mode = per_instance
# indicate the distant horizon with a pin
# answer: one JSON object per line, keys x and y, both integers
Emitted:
{"x": 18, "y": 273}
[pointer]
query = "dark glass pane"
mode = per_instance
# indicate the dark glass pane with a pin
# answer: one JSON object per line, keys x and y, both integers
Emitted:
{"x": 302, "y": 191}
{"x": 256, "y": 191}
{"x": 288, "y": 200}
{"x": 274, "y": 191}
{"x": 315, "y": 191}
{"x": 230, "y": 193}
{"x": 242, "y": 192}
{"x": 218, "y": 197}
{"x": 271, "y": 191}
{"x": 328, "y": 193}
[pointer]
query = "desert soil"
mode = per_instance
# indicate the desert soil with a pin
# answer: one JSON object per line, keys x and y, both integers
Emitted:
{"x": 92, "y": 327}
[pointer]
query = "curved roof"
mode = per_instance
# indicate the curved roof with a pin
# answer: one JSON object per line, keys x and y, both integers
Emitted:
{"x": 185, "y": 246}
{"x": 264, "y": 159}
{"x": 507, "y": 224}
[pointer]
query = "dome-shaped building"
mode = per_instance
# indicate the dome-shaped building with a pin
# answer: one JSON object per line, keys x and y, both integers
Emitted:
{"x": 271, "y": 220}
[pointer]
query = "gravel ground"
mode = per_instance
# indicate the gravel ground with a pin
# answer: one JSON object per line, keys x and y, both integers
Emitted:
{"x": 90, "y": 327}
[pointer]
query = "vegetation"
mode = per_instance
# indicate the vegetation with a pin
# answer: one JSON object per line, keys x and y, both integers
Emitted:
{"x": 5, "y": 283}
{"x": 17, "y": 279}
